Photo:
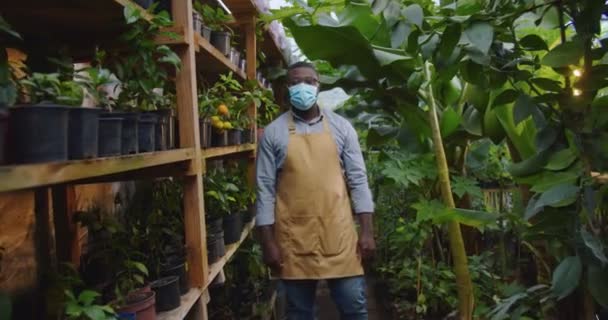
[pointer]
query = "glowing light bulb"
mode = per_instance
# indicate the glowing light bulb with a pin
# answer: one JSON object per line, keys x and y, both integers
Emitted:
{"x": 577, "y": 73}
{"x": 577, "y": 92}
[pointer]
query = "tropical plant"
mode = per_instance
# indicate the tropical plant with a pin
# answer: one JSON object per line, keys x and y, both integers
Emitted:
{"x": 214, "y": 18}
{"x": 146, "y": 66}
{"x": 457, "y": 72}
{"x": 48, "y": 88}
{"x": 96, "y": 79}
{"x": 220, "y": 194}
{"x": 83, "y": 307}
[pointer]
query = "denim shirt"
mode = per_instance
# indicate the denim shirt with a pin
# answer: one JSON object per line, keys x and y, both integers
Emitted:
{"x": 272, "y": 151}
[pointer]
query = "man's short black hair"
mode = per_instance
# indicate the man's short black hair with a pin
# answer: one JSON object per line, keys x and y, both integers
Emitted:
{"x": 302, "y": 64}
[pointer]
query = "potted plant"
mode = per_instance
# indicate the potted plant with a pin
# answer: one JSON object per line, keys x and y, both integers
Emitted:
{"x": 8, "y": 89}
{"x": 217, "y": 21}
{"x": 221, "y": 196}
{"x": 42, "y": 124}
{"x": 144, "y": 75}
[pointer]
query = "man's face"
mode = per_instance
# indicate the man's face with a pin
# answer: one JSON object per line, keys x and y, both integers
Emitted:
{"x": 302, "y": 75}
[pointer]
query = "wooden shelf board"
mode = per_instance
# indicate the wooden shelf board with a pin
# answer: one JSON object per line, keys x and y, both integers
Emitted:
{"x": 227, "y": 151}
{"x": 238, "y": 7}
{"x": 215, "y": 268}
{"x": 212, "y": 60}
{"x": 187, "y": 301}
{"x": 38, "y": 175}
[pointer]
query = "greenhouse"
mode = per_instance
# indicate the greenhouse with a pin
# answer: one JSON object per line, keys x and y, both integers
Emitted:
{"x": 304, "y": 160}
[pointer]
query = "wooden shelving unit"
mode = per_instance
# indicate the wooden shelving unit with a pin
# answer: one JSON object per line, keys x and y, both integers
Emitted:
{"x": 80, "y": 26}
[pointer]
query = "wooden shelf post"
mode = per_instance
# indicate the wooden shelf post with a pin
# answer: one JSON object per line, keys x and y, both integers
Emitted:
{"x": 187, "y": 112}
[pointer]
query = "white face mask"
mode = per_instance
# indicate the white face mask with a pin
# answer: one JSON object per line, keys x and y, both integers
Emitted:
{"x": 303, "y": 96}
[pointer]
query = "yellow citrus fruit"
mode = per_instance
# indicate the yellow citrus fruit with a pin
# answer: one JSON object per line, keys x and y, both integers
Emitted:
{"x": 215, "y": 119}
{"x": 218, "y": 125}
{"x": 227, "y": 125}
{"x": 222, "y": 109}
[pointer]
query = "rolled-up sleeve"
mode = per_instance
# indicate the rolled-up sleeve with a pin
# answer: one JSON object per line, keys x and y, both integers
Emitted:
{"x": 356, "y": 174}
{"x": 266, "y": 181}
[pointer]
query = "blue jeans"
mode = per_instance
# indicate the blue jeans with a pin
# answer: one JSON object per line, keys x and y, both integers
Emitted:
{"x": 347, "y": 293}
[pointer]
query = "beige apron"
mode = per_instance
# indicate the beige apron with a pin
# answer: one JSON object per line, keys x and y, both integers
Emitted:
{"x": 314, "y": 225}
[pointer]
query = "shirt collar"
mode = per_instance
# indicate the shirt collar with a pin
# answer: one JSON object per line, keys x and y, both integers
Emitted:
{"x": 312, "y": 121}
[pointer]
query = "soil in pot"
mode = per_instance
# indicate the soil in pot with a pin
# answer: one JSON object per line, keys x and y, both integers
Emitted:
{"x": 167, "y": 293}
{"x": 221, "y": 41}
{"x": 177, "y": 270}
{"x": 146, "y": 133}
{"x": 233, "y": 225}
{"x": 205, "y": 133}
{"x": 235, "y": 137}
{"x": 129, "y": 131}
{"x": 3, "y": 134}
{"x": 142, "y": 304}
{"x": 219, "y": 139}
{"x": 83, "y": 133}
{"x": 110, "y": 137}
{"x": 41, "y": 132}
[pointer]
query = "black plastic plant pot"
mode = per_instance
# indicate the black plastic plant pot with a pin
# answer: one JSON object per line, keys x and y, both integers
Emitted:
{"x": 214, "y": 225}
{"x": 129, "y": 131}
{"x": 3, "y": 134}
{"x": 250, "y": 214}
{"x": 205, "y": 133}
{"x": 247, "y": 136}
{"x": 83, "y": 137}
{"x": 206, "y": 32}
{"x": 235, "y": 137}
{"x": 221, "y": 41}
{"x": 162, "y": 136}
{"x": 167, "y": 293}
{"x": 110, "y": 137}
{"x": 219, "y": 138}
{"x": 216, "y": 247}
{"x": 233, "y": 225}
{"x": 178, "y": 270}
{"x": 144, "y": 3}
{"x": 40, "y": 133}
{"x": 146, "y": 132}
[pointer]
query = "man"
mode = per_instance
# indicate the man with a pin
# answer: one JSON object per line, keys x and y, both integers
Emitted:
{"x": 308, "y": 160}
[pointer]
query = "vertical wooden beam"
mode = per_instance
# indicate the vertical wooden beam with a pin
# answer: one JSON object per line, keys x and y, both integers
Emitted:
{"x": 66, "y": 239}
{"x": 249, "y": 21}
{"x": 187, "y": 112}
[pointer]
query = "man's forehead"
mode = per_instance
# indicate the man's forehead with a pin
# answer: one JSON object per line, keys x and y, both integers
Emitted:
{"x": 302, "y": 72}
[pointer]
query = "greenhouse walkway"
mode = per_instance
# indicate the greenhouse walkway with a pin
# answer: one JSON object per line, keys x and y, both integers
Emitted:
{"x": 328, "y": 311}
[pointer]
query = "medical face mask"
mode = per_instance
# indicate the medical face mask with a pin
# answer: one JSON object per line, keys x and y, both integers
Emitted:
{"x": 303, "y": 96}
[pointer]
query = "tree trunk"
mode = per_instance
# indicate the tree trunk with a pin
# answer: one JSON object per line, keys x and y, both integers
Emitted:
{"x": 461, "y": 268}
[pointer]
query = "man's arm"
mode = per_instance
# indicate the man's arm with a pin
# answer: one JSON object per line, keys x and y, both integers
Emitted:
{"x": 266, "y": 170}
{"x": 356, "y": 176}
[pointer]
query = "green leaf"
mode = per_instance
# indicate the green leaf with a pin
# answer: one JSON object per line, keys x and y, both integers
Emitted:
{"x": 533, "y": 42}
{"x": 547, "y": 84}
{"x": 95, "y": 313}
{"x": 87, "y": 297}
{"x": 559, "y": 196}
{"x": 400, "y": 33}
{"x": 465, "y": 185}
{"x": 524, "y": 108}
{"x": 131, "y": 13}
{"x": 141, "y": 267}
{"x": 472, "y": 218}
{"x": 568, "y": 53}
{"x": 562, "y": 159}
{"x": 481, "y": 35}
{"x": 566, "y": 277}
{"x": 595, "y": 245}
{"x": 449, "y": 39}
{"x": 472, "y": 121}
{"x": 450, "y": 120}
{"x": 414, "y": 14}
{"x": 506, "y": 97}
{"x": 6, "y": 28}
{"x": 473, "y": 73}
{"x": 597, "y": 278}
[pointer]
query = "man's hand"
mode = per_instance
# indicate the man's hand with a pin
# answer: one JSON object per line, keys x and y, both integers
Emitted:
{"x": 272, "y": 256}
{"x": 366, "y": 245}
{"x": 272, "y": 253}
